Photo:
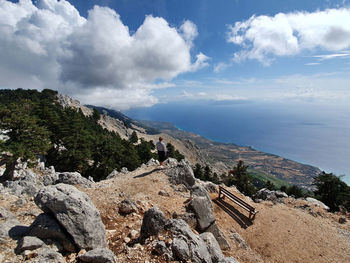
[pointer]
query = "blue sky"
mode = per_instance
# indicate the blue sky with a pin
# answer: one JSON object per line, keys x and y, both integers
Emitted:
{"x": 133, "y": 53}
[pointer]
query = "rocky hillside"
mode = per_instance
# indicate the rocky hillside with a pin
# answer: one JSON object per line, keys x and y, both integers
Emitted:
{"x": 224, "y": 156}
{"x": 158, "y": 214}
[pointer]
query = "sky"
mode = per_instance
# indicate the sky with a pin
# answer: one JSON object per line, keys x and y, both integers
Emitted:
{"x": 135, "y": 53}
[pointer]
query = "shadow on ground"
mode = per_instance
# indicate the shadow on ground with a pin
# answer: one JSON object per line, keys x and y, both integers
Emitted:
{"x": 240, "y": 218}
{"x": 148, "y": 173}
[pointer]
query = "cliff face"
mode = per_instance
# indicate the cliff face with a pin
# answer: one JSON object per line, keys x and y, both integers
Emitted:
{"x": 197, "y": 149}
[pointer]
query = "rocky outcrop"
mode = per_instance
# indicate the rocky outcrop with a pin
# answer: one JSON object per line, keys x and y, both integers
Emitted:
{"x": 75, "y": 212}
{"x": 187, "y": 243}
{"x": 8, "y": 221}
{"x": 212, "y": 246}
{"x": 28, "y": 243}
{"x": 46, "y": 228}
{"x": 269, "y": 195}
{"x": 181, "y": 174}
{"x": 72, "y": 178}
{"x": 153, "y": 222}
{"x": 313, "y": 201}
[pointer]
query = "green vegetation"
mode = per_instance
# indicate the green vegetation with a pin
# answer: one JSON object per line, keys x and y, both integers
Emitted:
{"x": 332, "y": 191}
{"x": 260, "y": 179}
{"x": 173, "y": 153}
{"x": 70, "y": 141}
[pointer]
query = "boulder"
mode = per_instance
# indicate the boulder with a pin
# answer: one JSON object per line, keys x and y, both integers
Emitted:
{"x": 197, "y": 247}
{"x": 28, "y": 243}
{"x": 203, "y": 211}
{"x": 153, "y": 222}
{"x": 98, "y": 255}
{"x": 219, "y": 236}
{"x": 113, "y": 174}
{"x": 238, "y": 239}
{"x": 160, "y": 248}
{"x": 313, "y": 201}
{"x": 171, "y": 162}
{"x": 127, "y": 206}
{"x": 8, "y": 221}
{"x": 46, "y": 227}
{"x": 265, "y": 194}
{"x": 181, "y": 174}
{"x": 152, "y": 162}
{"x": 124, "y": 170}
{"x": 180, "y": 248}
{"x": 74, "y": 211}
{"x": 212, "y": 246}
{"x": 201, "y": 191}
{"x": 72, "y": 178}
{"x": 280, "y": 194}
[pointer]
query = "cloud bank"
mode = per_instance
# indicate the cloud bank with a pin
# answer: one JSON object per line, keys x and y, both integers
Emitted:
{"x": 264, "y": 37}
{"x": 97, "y": 59}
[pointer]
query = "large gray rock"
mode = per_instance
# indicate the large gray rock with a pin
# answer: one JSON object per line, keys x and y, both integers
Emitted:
{"x": 74, "y": 211}
{"x": 313, "y": 201}
{"x": 180, "y": 248}
{"x": 8, "y": 221}
{"x": 98, "y": 255}
{"x": 153, "y": 222}
{"x": 238, "y": 239}
{"x": 73, "y": 178}
{"x": 181, "y": 174}
{"x": 28, "y": 243}
{"x": 171, "y": 162}
{"x": 212, "y": 246}
{"x": 199, "y": 190}
{"x": 47, "y": 227}
{"x": 25, "y": 182}
{"x": 219, "y": 236}
{"x": 266, "y": 194}
{"x": 198, "y": 249}
{"x": 203, "y": 211}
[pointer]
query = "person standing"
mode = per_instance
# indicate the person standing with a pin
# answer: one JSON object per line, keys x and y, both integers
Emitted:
{"x": 161, "y": 148}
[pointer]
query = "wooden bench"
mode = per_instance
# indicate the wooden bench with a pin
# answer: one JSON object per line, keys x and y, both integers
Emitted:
{"x": 252, "y": 212}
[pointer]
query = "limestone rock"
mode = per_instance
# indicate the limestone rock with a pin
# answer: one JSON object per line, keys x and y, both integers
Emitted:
{"x": 228, "y": 260}
{"x": 47, "y": 255}
{"x": 212, "y": 246}
{"x": 313, "y": 201}
{"x": 181, "y": 174}
{"x": 8, "y": 221}
{"x": 28, "y": 243}
{"x": 153, "y": 222}
{"x": 238, "y": 239}
{"x": 47, "y": 227}
{"x": 202, "y": 209}
{"x": 219, "y": 236}
{"x": 152, "y": 162}
{"x": 171, "y": 162}
{"x": 127, "y": 206}
{"x": 74, "y": 211}
{"x": 180, "y": 248}
{"x": 198, "y": 249}
{"x": 98, "y": 255}
{"x": 113, "y": 174}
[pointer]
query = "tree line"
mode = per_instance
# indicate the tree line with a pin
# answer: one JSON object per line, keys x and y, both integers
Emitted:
{"x": 37, "y": 125}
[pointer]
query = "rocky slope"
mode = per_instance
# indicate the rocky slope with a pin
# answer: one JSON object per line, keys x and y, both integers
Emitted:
{"x": 197, "y": 149}
{"x": 158, "y": 214}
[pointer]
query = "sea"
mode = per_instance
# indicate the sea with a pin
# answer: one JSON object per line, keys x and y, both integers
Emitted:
{"x": 307, "y": 132}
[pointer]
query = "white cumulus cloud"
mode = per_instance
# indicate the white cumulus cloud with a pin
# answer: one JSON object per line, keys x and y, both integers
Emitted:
{"x": 49, "y": 45}
{"x": 286, "y": 34}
